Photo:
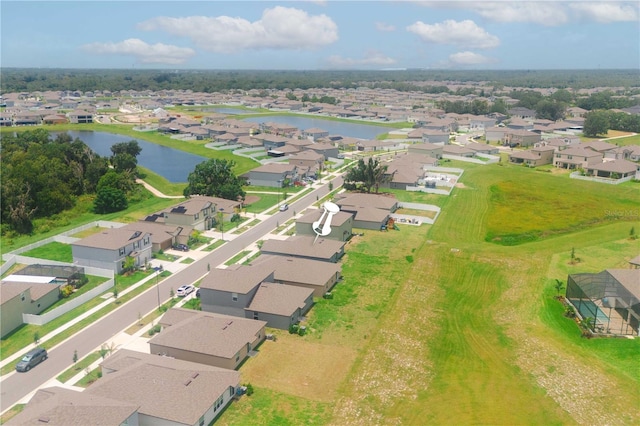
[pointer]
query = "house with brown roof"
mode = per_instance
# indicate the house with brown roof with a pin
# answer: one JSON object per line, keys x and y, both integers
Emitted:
{"x": 314, "y": 133}
{"x": 168, "y": 391}
{"x": 522, "y": 138}
{"x": 628, "y": 152}
{"x": 480, "y": 148}
{"x": 62, "y": 406}
{"x": 326, "y": 149}
{"x": 407, "y": 170}
{"x": 614, "y": 169}
{"x": 80, "y": 117}
{"x": 274, "y": 174}
{"x": 207, "y": 338}
{"x": 163, "y": 235}
{"x": 308, "y": 159}
{"x": 600, "y": 146}
{"x": 228, "y": 291}
{"x": 109, "y": 248}
{"x": 341, "y": 224}
{"x": 428, "y": 149}
{"x": 25, "y": 297}
{"x": 495, "y": 134}
{"x": 306, "y": 246}
{"x": 577, "y": 157}
{"x": 318, "y": 276}
{"x": 280, "y": 305}
{"x": 458, "y": 151}
{"x": 537, "y": 156}
{"x": 371, "y": 211}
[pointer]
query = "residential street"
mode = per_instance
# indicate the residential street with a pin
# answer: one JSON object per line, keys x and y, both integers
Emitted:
{"x": 16, "y": 386}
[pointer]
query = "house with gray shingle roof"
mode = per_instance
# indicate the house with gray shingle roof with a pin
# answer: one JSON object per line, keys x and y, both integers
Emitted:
{"x": 577, "y": 157}
{"x": 318, "y": 276}
{"x": 207, "y": 338}
{"x": 281, "y": 305}
{"x": 168, "y": 391}
{"x": 534, "y": 157}
{"x": 62, "y": 406}
{"x": 306, "y": 246}
{"x": 614, "y": 169}
{"x": 109, "y": 248}
{"x": 17, "y": 298}
{"x": 341, "y": 224}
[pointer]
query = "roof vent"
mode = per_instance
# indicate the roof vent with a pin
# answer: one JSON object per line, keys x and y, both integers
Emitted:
{"x": 194, "y": 375}
{"x": 44, "y": 419}
{"x": 188, "y": 382}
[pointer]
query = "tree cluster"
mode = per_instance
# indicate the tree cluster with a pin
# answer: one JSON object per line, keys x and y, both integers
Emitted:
{"x": 599, "y": 122}
{"x": 367, "y": 175}
{"x": 215, "y": 178}
{"x": 42, "y": 176}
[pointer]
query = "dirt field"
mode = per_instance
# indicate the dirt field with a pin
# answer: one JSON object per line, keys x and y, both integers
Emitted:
{"x": 315, "y": 374}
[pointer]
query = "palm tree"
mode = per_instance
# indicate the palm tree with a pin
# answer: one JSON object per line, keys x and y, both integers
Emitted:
{"x": 587, "y": 325}
{"x": 559, "y": 286}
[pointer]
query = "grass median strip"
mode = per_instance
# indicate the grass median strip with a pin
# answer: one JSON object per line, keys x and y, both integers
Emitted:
{"x": 78, "y": 367}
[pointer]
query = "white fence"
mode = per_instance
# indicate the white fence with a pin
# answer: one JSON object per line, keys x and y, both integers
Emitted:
{"x": 577, "y": 175}
{"x": 490, "y": 159}
{"x": 423, "y": 207}
{"x": 61, "y": 310}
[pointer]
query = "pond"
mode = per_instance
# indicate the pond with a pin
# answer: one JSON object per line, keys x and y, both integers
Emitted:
{"x": 172, "y": 164}
{"x": 354, "y": 130}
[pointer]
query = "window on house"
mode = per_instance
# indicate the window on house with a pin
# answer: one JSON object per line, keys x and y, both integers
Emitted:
{"x": 234, "y": 297}
{"x": 197, "y": 216}
{"x": 201, "y": 421}
{"x": 121, "y": 251}
{"x": 238, "y": 357}
{"x": 255, "y": 316}
{"x": 570, "y": 157}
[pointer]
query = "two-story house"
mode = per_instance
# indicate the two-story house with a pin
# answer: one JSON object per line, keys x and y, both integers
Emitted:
{"x": 110, "y": 248}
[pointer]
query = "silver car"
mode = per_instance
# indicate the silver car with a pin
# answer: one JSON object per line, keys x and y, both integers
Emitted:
{"x": 31, "y": 359}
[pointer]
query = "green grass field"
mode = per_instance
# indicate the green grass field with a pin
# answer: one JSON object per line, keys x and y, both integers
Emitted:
{"x": 53, "y": 251}
{"x": 442, "y": 325}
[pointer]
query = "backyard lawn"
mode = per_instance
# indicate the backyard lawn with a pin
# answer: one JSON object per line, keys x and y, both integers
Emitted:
{"x": 442, "y": 325}
{"x": 52, "y": 251}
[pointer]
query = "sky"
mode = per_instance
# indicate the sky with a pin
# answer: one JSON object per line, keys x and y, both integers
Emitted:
{"x": 320, "y": 35}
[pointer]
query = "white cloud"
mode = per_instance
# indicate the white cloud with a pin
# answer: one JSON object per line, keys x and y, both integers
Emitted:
{"x": 370, "y": 58}
{"x": 381, "y": 26}
{"x": 548, "y": 13}
{"x": 607, "y": 12}
{"x": 144, "y": 52}
{"x": 469, "y": 58}
{"x": 463, "y": 33}
{"x": 278, "y": 28}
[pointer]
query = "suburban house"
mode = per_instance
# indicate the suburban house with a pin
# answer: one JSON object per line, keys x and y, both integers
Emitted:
{"x": 407, "y": 170}
{"x": 274, "y": 175}
{"x": 435, "y": 136}
{"x": 228, "y": 291}
{"x": 523, "y": 113}
{"x": 614, "y": 169}
{"x": 62, "y": 406}
{"x": 601, "y": 146}
{"x": 207, "y": 338}
{"x": 534, "y": 157}
{"x": 341, "y": 224}
{"x": 328, "y": 150}
{"x": 25, "y": 295}
{"x": 281, "y": 305}
{"x": 314, "y": 133}
{"x": 110, "y": 248}
{"x": 198, "y": 212}
{"x": 481, "y": 123}
{"x": 521, "y": 138}
{"x": 428, "y": 149}
{"x": 168, "y": 391}
{"x": 318, "y": 276}
{"x": 80, "y": 117}
{"x": 308, "y": 159}
{"x": 629, "y": 152}
{"x": 480, "y": 148}
{"x": 458, "y": 151}
{"x": 163, "y": 236}
{"x": 578, "y": 157}
{"x": 306, "y": 246}
{"x": 371, "y": 211}
{"x": 495, "y": 134}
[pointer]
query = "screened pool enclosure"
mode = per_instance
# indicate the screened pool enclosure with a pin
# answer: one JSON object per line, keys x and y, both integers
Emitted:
{"x": 611, "y": 298}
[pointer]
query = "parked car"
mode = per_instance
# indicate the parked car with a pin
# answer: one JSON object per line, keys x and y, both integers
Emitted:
{"x": 181, "y": 247}
{"x": 31, "y": 359}
{"x": 284, "y": 207}
{"x": 185, "y": 290}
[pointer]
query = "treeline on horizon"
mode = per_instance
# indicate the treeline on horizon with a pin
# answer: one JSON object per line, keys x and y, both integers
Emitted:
{"x": 38, "y": 79}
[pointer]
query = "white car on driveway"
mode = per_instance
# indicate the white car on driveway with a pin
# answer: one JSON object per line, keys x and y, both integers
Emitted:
{"x": 185, "y": 290}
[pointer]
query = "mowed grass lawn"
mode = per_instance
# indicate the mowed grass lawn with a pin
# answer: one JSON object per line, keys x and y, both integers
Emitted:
{"x": 437, "y": 325}
{"x": 52, "y": 251}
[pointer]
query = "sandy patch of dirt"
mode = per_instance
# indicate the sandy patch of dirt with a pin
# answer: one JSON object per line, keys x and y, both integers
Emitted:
{"x": 314, "y": 372}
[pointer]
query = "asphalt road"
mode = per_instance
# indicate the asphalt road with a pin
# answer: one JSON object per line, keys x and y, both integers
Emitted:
{"x": 18, "y": 385}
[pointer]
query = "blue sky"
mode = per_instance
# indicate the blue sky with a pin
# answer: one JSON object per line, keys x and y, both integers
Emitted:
{"x": 312, "y": 35}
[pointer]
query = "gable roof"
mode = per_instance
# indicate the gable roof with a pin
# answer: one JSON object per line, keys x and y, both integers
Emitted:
{"x": 57, "y": 406}
{"x": 299, "y": 270}
{"x": 302, "y": 245}
{"x": 112, "y": 238}
{"x": 166, "y": 388}
{"x": 207, "y": 333}
{"x": 313, "y": 215}
{"x": 242, "y": 279}
{"x": 279, "y": 299}
{"x": 366, "y": 200}
{"x": 615, "y": 166}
